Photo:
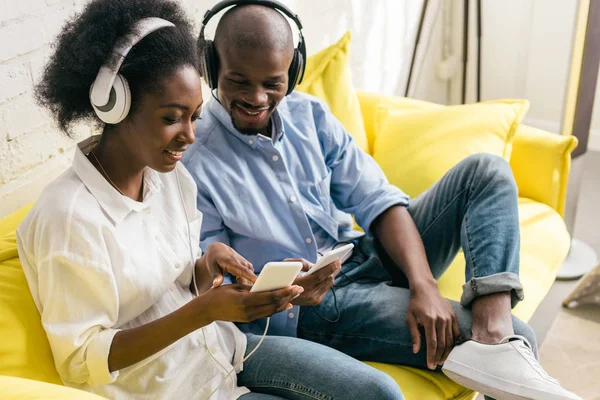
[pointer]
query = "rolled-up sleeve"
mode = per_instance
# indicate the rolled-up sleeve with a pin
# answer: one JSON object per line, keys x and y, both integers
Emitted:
{"x": 358, "y": 185}
{"x": 79, "y": 300}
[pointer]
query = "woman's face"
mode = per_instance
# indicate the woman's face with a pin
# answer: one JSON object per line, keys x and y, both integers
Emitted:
{"x": 164, "y": 122}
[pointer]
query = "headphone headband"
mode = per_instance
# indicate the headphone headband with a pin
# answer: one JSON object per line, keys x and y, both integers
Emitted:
{"x": 101, "y": 90}
{"x": 267, "y": 3}
{"x": 210, "y": 63}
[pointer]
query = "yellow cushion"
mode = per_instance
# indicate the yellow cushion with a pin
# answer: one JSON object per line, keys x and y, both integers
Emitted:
{"x": 415, "y": 149}
{"x": 328, "y": 77}
{"x": 24, "y": 348}
{"x": 371, "y": 102}
{"x": 544, "y": 246}
{"x": 12, "y": 221}
{"x": 24, "y": 389}
{"x": 419, "y": 384}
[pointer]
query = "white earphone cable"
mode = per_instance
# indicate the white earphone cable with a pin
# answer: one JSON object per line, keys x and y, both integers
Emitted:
{"x": 196, "y": 294}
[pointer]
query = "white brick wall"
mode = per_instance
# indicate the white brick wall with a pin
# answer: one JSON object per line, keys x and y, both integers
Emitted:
{"x": 30, "y": 145}
{"x": 32, "y": 151}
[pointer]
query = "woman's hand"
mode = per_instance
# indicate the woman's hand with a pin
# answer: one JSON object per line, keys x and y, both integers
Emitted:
{"x": 222, "y": 259}
{"x": 235, "y": 303}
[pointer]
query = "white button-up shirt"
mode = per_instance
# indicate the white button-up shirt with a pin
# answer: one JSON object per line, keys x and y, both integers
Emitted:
{"x": 98, "y": 262}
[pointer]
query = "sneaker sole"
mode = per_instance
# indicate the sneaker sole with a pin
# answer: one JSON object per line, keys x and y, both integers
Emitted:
{"x": 491, "y": 386}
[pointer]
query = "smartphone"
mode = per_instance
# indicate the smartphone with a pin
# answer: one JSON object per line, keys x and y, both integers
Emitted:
{"x": 329, "y": 257}
{"x": 276, "y": 275}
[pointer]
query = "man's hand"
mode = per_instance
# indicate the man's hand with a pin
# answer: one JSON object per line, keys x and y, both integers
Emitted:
{"x": 222, "y": 259}
{"x": 235, "y": 303}
{"x": 434, "y": 313}
{"x": 315, "y": 285}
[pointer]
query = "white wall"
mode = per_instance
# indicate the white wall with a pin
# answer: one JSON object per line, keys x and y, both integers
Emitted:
{"x": 526, "y": 53}
{"x": 33, "y": 151}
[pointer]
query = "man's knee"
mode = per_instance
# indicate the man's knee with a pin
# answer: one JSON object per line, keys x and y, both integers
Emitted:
{"x": 489, "y": 168}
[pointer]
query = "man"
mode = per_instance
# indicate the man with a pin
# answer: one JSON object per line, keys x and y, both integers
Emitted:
{"x": 278, "y": 178}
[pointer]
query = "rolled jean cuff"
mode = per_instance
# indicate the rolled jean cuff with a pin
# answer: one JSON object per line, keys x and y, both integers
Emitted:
{"x": 496, "y": 283}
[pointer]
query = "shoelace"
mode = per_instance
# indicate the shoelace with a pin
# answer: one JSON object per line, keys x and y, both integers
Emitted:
{"x": 525, "y": 349}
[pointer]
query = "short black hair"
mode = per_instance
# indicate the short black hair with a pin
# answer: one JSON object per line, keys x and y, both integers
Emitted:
{"x": 86, "y": 42}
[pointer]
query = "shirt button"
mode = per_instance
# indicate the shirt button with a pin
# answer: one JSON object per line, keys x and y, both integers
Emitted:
{"x": 293, "y": 199}
{"x": 291, "y": 315}
{"x": 250, "y": 141}
{"x": 308, "y": 240}
{"x": 275, "y": 158}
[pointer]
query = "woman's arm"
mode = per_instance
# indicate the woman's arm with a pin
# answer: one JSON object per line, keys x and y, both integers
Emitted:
{"x": 136, "y": 344}
{"x": 226, "y": 303}
{"x": 229, "y": 303}
{"x": 202, "y": 281}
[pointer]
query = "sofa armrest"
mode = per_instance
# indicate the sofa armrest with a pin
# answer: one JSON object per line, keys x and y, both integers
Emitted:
{"x": 541, "y": 162}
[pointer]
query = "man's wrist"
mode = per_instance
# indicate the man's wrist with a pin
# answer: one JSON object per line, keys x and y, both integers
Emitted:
{"x": 423, "y": 285}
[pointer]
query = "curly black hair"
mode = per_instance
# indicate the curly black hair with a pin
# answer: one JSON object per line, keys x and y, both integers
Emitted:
{"x": 88, "y": 38}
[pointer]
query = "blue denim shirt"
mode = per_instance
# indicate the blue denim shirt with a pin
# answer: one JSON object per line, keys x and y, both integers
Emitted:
{"x": 287, "y": 196}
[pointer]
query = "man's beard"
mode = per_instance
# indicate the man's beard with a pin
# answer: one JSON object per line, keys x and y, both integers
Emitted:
{"x": 264, "y": 130}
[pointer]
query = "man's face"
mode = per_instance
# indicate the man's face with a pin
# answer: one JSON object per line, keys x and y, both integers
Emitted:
{"x": 251, "y": 83}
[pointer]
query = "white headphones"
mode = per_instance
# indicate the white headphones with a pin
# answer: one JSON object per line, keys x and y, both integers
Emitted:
{"x": 109, "y": 94}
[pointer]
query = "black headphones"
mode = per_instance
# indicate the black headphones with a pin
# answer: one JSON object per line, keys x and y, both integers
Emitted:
{"x": 210, "y": 58}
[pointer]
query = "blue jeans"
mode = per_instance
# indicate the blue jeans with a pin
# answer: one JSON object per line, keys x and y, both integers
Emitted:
{"x": 292, "y": 368}
{"x": 474, "y": 206}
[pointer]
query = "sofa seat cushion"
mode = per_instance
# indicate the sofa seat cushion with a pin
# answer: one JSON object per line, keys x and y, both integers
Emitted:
{"x": 24, "y": 389}
{"x": 419, "y": 384}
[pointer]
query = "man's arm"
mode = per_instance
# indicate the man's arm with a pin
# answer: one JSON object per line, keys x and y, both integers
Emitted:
{"x": 400, "y": 237}
{"x": 359, "y": 187}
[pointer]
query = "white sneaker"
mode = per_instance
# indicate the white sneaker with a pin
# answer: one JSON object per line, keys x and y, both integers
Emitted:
{"x": 507, "y": 370}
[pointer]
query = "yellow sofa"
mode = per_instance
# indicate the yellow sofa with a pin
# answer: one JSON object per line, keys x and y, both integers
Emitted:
{"x": 540, "y": 162}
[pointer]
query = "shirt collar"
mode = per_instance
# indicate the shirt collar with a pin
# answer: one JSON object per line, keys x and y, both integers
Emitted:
{"x": 114, "y": 204}
{"x": 218, "y": 110}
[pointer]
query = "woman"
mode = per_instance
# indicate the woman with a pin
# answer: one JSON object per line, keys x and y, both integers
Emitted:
{"x": 130, "y": 306}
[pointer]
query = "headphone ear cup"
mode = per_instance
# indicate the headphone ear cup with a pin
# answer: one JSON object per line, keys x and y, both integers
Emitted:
{"x": 127, "y": 97}
{"x": 211, "y": 64}
{"x": 119, "y": 102}
{"x": 294, "y": 71}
